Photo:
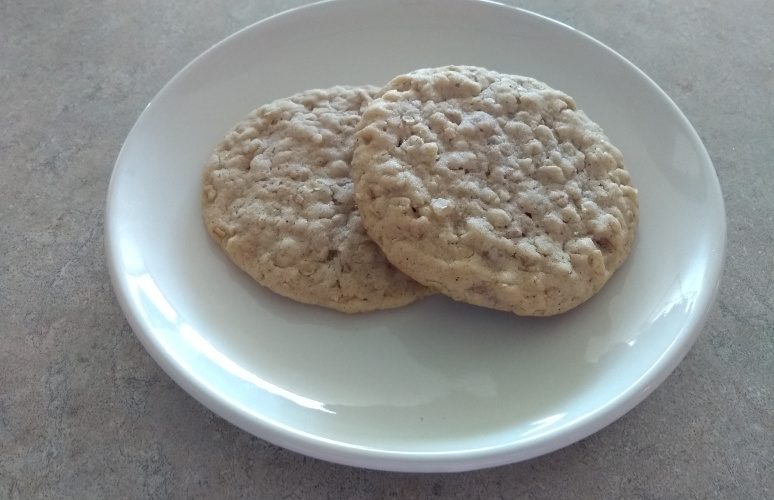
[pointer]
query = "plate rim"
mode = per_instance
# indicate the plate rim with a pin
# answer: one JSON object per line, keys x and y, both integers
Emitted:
{"x": 426, "y": 461}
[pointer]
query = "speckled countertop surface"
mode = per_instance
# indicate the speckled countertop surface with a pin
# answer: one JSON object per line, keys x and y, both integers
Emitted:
{"x": 86, "y": 413}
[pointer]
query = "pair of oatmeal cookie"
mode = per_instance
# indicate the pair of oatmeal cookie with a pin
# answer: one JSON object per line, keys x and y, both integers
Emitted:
{"x": 492, "y": 189}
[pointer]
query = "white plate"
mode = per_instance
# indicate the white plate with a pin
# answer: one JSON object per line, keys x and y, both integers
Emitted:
{"x": 436, "y": 386}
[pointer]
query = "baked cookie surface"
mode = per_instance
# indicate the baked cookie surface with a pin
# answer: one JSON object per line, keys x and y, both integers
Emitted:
{"x": 493, "y": 189}
{"x": 278, "y": 198}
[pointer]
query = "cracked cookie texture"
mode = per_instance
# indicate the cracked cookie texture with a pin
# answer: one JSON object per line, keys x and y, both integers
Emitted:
{"x": 493, "y": 189}
{"x": 278, "y": 198}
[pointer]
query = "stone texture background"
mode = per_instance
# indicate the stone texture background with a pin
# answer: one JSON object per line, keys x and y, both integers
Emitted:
{"x": 86, "y": 413}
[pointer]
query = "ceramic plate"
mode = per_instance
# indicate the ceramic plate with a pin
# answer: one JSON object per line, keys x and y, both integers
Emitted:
{"x": 438, "y": 385}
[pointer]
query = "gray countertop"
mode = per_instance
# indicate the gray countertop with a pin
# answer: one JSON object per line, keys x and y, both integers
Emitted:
{"x": 86, "y": 413}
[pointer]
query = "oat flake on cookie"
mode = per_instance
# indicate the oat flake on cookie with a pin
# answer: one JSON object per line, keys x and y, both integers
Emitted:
{"x": 278, "y": 198}
{"x": 493, "y": 189}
